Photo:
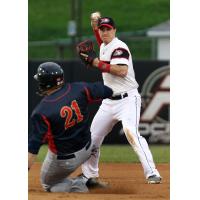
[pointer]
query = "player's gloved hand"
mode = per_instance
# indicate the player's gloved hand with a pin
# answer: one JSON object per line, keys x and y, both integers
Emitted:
{"x": 86, "y": 52}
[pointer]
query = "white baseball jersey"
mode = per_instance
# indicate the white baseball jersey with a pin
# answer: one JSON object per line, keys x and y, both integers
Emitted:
{"x": 126, "y": 110}
{"x": 117, "y": 52}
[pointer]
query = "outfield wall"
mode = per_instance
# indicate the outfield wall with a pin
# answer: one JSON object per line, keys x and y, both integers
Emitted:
{"x": 153, "y": 78}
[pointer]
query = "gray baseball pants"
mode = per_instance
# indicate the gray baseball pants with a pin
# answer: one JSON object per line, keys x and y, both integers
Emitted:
{"x": 56, "y": 169}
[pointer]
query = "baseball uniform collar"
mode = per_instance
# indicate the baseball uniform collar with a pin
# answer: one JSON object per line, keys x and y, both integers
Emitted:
{"x": 109, "y": 44}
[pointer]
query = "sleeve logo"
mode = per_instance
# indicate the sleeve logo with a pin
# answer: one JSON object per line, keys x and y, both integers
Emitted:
{"x": 118, "y": 52}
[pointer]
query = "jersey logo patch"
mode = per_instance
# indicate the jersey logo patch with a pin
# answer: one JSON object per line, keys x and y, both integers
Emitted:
{"x": 118, "y": 52}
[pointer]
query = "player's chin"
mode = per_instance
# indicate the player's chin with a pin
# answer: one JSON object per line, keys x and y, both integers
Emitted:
{"x": 106, "y": 40}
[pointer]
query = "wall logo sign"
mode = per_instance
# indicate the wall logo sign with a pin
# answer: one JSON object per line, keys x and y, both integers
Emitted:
{"x": 155, "y": 93}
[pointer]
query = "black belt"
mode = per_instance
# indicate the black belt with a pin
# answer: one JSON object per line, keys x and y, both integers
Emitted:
{"x": 69, "y": 156}
{"x": 118, "y": 97}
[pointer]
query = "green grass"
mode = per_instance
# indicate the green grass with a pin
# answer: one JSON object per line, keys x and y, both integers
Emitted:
{"x": 123, "y": 153}
{"x": 48, "y": 19}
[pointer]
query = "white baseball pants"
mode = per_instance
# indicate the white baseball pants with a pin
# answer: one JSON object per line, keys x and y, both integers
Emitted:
{"x": 110, "y": 112}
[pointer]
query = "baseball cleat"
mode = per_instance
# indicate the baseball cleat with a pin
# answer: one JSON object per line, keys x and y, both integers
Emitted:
{"x": 96, "y": 183}
{"x": 154, "y": 179}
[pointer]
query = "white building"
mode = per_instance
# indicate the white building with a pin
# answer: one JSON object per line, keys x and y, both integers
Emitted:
{"x": 161, "y": 37}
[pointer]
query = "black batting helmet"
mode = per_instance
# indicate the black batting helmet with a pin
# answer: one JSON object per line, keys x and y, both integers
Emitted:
{"x": 49, "y": 75}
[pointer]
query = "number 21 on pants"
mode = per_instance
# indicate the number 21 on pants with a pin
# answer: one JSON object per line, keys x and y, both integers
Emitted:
{"x": 67, "y": 112}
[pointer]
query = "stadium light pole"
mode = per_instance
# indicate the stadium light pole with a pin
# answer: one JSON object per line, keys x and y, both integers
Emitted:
{"x": 72, "y": 27}
{"x": 75, "y": 24}
{"x": 79, "y": 19}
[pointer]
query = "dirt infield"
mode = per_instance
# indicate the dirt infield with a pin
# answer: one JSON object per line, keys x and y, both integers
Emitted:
{"x": 126, "y": 182}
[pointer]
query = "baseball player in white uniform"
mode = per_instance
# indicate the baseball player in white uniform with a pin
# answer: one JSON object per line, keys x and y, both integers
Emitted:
{"x": 115, "y": 62}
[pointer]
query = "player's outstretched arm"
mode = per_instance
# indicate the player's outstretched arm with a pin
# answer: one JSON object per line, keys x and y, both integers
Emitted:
{"x": 94, "y": 23}
{"x": 97, "y": 91}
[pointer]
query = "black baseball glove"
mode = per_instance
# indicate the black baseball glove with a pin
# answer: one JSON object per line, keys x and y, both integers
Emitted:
{"x": 86, "y": 52}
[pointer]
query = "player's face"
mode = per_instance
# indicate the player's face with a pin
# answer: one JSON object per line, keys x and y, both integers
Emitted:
{"x": 107, "y": 34}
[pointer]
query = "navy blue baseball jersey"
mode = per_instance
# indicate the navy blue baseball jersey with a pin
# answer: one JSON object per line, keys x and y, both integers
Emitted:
{"x": 62, "y": 117}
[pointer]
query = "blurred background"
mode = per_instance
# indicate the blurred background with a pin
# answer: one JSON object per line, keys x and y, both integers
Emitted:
{"x": 55, "y": 27}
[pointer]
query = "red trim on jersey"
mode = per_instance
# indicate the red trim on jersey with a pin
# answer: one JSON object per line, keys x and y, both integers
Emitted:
{"x": 97, "y": 36}
{"x": 54, "y": 100}
{"x": 49, "y": 136}
{"x": 89, "y": 98}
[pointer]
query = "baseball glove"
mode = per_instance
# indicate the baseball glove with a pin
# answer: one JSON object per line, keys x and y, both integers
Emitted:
{"x": 86, "y": 52}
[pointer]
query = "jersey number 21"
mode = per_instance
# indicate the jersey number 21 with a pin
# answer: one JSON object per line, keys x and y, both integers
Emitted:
{"x": 67, "y": 112}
